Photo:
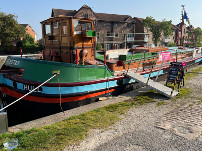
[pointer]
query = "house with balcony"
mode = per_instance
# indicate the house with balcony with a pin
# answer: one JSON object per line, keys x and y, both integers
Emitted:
{"x": 142, "y": 35}
{"x": 113, "y": 31}
{"x": 171, "y": 38}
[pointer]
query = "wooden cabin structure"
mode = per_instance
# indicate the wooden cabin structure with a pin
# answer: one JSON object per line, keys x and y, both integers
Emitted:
{"x": 68, "y": 39}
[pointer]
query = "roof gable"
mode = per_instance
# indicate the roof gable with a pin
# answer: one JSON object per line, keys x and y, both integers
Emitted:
{"x": 85, "y": 12}
{"x": 139, "y": 19}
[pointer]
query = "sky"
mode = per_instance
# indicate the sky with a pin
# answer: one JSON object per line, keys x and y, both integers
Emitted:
{"x": 32, "y": 12}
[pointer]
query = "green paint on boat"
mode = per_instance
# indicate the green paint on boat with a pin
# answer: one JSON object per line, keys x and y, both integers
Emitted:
{"x": 40, "y": 70}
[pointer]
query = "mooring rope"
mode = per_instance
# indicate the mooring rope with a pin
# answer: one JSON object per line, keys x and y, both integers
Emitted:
{"x": 28, "y": 93}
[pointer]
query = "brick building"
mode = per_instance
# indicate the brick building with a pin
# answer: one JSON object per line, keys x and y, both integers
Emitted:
{"x": 113, "y": 31}
{"x": 121, "y": 31}
{"x": 182, "y": 33}
{"x": 144, "y": 36}
{"x": 30, "y": 31}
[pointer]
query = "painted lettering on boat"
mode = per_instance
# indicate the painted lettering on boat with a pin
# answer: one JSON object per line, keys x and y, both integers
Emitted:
{"x": 13, "y": 62}
{"x": 31, "y": 87}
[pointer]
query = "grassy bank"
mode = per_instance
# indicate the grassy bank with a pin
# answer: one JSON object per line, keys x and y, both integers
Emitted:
{"x": 192, "y": 73}
{"x": 74, "y": 129}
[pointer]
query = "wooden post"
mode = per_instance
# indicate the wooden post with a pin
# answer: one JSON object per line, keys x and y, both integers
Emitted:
{"x": 130, "y": 61}
{"x": 42, "y": 54}
{"x": 3, "y": 123}
{"x": 150, "y": 73}
{"x": 176, "y": 55}
{"x": 77, "y": 56}
{"x": 21, "y": 51}
{"x": 105, "y": 58}
{"x": 160, "y": 69}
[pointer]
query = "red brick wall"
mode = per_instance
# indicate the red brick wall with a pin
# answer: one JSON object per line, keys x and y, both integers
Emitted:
{"x": 30, "y": 31}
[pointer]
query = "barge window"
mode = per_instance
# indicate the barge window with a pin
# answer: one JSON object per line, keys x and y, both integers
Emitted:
{"x": 55, "y": 28}
{"x": 47, "y": 29}
{"x": 77, "y": 27}
{"x": 81, "y": 25}
{"x": 86, "y": 26}
{"x": 64, "y": 29}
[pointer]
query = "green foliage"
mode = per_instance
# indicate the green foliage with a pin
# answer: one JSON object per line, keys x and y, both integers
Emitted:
{"x": 10, "y": 30}
{"x": 198, "y": 44}
{"x": 183, "y": 92}
{"x": 28, "y": 40}
{"x": 171, "y": 44}
{"x": 166, "y": 27}
{"x": 156, "y": 32}
{"x": 40, "y": 42}
{"x": 148, "y": 22}
{"x": 161, "y": 103}
{"x": 98, "y": 46}
{"x": 31, "y": 49}
{"x": 198, "y": 36}
{"x": 157, "y": 28}
{"x": 193, "y": 73}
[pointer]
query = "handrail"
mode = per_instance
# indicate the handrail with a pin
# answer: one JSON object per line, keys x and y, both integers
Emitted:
{"x": 130, "y": 62}
{"x": 28, "y": 93}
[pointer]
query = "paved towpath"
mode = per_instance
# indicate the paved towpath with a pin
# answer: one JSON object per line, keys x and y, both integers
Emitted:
{"x": 176, "y": 126}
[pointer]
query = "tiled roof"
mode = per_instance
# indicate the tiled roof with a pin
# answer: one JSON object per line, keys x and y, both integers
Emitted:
{"x": 100, "y": 16}
{"x": 57, "y": 12}
{"x": 140, "y": 19}
{"x": 112, "y": 17}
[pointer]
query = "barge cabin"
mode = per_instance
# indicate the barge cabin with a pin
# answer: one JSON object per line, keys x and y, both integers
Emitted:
{"x": 68, "y": 39}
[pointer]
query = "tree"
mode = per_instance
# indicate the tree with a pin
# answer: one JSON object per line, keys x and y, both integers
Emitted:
{"x": 166, "y": 27}
{"x": 157, "y": 28}
{"x": 40, "y": 42}
{"x": 198, "y": 35}
{"x": 195, "y": 36}
{"x": 148, "y": 22}
{"x": 28, "y": 40}
{"x": 10, "y": 30}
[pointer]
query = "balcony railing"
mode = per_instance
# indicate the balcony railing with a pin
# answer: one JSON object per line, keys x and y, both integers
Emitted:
{"x": 166, "y": 40}
{"x": 110, "y": 35}
{"x": 130, "y": 39}
{"x": 146, "y": 39}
